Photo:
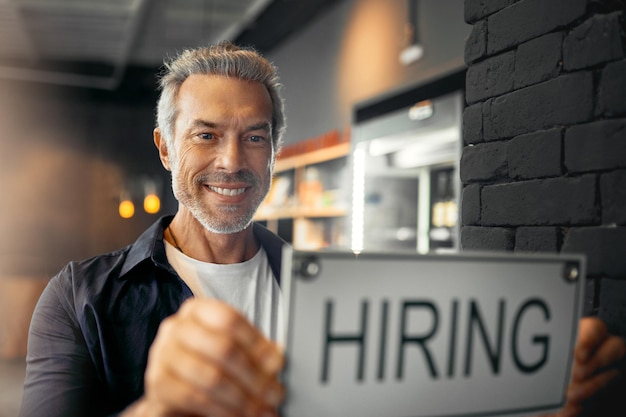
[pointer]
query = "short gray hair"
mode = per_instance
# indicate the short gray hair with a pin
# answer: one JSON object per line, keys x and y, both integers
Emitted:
{"x": 223, "y": 59}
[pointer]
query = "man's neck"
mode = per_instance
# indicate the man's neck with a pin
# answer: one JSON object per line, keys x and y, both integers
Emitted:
{"x": 191, "y": 238}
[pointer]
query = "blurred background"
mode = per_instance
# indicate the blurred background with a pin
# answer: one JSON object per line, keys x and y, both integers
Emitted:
{"x": 395, "y": 110}
{"x": 77, "y": 96}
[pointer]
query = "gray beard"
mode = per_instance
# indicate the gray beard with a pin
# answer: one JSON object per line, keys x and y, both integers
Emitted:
{"x": 214, "y": 224}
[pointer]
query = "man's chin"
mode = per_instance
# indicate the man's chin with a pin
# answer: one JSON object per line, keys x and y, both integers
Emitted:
{"x": 225, "y": 227}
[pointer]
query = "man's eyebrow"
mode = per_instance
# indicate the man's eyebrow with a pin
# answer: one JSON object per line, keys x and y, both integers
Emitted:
{"x": 256, "y": 126}
{"x": 261, "y": 126}
{"x": 204, "y": 123}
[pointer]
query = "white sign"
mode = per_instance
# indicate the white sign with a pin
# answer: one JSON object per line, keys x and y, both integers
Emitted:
{"x": 429, "y": 336}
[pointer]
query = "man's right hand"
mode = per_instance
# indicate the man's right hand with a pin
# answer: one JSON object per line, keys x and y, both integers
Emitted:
{"x": 208, "y": 360}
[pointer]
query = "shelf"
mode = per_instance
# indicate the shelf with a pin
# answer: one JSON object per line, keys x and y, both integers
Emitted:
{"x": 304, "y": 205}
{"x": 272, "y": 213}
{"x": 312, "y": 157}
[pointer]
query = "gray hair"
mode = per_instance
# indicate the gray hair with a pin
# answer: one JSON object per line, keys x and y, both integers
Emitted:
{"x": 223, "y": 59}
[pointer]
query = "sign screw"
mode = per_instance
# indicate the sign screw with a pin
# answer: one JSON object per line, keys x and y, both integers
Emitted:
{"x": 310, "y": 267}
{"x": 571, "y": 272}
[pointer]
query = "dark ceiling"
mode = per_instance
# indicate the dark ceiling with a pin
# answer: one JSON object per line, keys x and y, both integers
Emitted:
{"x": 99, "y": 44}
{"x": 279, "y": 20}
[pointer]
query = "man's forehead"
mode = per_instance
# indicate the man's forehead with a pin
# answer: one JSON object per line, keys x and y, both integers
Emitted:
{"x": 217, "y": 101}
{"x": 216, "y": 88}
{"x": 215, "y": 81}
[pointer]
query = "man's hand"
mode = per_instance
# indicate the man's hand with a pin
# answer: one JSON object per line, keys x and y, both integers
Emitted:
{"x": 596, "y": 357}
{"x": 208, "y": 360}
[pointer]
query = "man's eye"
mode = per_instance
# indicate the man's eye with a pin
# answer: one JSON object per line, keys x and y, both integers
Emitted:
{"x": 257, "y": 138}
{"x": 206, "y": 136}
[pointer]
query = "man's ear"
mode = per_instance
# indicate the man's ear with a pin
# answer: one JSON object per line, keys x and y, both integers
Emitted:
{"x": 161, "y": 145}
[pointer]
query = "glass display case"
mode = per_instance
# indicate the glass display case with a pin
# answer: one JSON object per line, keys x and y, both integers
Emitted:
{"x": 405, "y": 188}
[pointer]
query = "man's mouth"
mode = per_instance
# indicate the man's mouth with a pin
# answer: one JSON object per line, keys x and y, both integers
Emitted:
{"x": 230, "y": 192}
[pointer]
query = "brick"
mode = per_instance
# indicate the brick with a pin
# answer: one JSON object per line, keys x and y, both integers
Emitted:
{"x": 590, "y": 307}
{"x": 612, "y": 90}
{"x": 487, "y": 238}
{"x": 485, "y": 161}
{"x": 603, "y": 246}
{"x": 473, "y": 124}
{"x": 537, "y": 239}
{"x": 479, "y": 9}
{"x": 476, "y": 44}
{"x": 613, "y": 197}
{"x": 595, "y": 41}
{"x": 595, "y": 146}
{"x": 554, "y": 201}
{"x": 489, "y": 78}
{"x": 564, "y": 100}
{"x": 535, "y": 155}
{"x": 538, "y": 60}
{"x": 470, "y": 204}
{"x": 612, "y": 309}
{"x": 528, "y": 19}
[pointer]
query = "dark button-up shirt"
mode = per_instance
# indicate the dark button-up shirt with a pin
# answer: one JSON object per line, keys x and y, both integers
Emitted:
{"x": 94, "y": 324}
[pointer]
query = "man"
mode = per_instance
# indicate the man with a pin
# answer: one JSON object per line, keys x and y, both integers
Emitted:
{"x": 220, "y": 121}
{"x": 184, "y": 322}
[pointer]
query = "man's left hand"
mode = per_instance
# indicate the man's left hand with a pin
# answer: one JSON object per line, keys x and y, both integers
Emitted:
{"x": 597, "y": 357}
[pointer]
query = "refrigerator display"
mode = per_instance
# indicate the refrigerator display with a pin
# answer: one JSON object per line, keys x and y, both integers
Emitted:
{"x": 405, "y": 181}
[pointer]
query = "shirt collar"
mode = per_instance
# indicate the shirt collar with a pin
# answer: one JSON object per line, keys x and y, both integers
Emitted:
{"x": 149, "y": 246}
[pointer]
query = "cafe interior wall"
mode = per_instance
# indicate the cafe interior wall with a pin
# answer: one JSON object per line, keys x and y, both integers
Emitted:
{"x": 350, "y": 55}
{"x": 65, "y": 156}
{"x": 66, "y": 153}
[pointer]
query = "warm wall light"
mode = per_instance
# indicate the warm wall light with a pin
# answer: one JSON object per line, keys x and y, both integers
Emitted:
{"x": 151, "y": 204}
{"x": 151, "y": 201}
{"x": 136, "y": 189}
{"x": 126, "y": 209}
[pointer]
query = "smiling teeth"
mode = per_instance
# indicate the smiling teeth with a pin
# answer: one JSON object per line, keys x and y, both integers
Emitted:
{"x": 228, "y": 191}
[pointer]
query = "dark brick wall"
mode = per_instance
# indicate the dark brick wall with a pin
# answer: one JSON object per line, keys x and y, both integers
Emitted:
{"x": 544, "y": 162}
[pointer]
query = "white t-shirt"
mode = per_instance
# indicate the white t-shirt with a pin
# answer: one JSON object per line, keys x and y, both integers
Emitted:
{"x": 248, "y": 286}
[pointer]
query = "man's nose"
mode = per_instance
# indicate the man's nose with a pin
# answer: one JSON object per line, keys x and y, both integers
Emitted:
{"x": 230, "y": 155}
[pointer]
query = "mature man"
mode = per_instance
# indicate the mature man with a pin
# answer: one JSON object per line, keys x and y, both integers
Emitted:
{"x": 185, "y": 321}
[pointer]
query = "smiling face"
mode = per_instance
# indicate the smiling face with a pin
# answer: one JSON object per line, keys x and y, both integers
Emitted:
{"x": 221, "y": 160}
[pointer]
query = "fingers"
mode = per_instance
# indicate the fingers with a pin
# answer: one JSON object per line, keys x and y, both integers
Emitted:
{"x": 228, "y": 339}
{"x": 207, "y": 359}
{"x": 570, "y": 410}
{"x": 591, "y": 333}
{"x": 177, "y": 397}
{"x": 217, "y": 316}
{"x": 203, "y": 376}
{"x": 596, "y": 357}
{"x": 581, "y": 391}
{"x": 606, "y": 355}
